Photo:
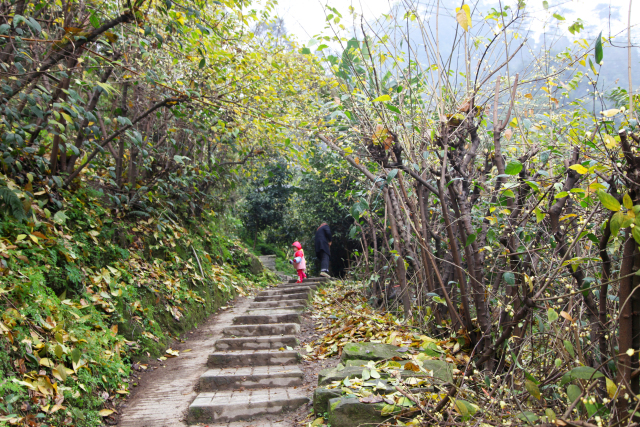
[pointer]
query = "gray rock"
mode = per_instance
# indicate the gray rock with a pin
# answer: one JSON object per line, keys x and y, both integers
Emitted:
{"x": 350, "y": 412}
{"x": 255, "y": 266}
{"x": 369, "y": 351}
{"x": 441, "y": 369}
{"x": 321, "y": 397}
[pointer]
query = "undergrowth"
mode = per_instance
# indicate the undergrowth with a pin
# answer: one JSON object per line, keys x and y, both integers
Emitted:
{"x": 86, "y": 292}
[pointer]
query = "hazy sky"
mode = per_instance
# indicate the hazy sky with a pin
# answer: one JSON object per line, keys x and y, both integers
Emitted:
{"x": 305, "y": 18}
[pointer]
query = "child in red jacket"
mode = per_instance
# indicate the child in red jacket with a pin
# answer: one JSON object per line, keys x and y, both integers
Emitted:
{"x": 299, "y": 262}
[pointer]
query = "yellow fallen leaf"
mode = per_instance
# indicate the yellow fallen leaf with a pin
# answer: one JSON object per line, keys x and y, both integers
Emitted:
{"x": 105, "y": 412}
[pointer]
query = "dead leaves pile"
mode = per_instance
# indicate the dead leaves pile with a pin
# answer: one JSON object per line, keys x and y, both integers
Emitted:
{"x": 342, "y": 316}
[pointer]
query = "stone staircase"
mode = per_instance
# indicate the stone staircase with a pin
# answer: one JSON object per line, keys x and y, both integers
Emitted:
{"x": 253, "y": 371}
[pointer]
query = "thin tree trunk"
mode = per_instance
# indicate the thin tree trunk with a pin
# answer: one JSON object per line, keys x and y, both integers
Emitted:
{"x": 400, "y": 268}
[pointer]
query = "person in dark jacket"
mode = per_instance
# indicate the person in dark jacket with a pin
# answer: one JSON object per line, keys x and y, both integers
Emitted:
{"x": 323, "y": 245}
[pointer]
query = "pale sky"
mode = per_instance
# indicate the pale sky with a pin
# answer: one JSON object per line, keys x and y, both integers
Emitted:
{"x": 306, "y": 18}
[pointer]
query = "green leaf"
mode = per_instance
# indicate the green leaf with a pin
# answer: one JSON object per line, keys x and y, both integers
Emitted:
{"x": 569, "y": 347}
{"x": 552, "y": 315}
{"x": 382, "y": 98}
{"x": 365, "y": 374}
{"x": 585, "y": 373}
{"x": 608, "y": 201}
{"x": 580, "y": 373}
{"x": 60, "y": 217}
{"x": 627, "y": 202}
{"x": 551, "y": 416}
{"x": 532, "y": 388}
{"x": 599, "y": 54}
{"x": 95, "y": 22}
{"x": 558, "y": 17}
{"x": 539, "y": 215}
{"x": 528, "y": 416}
{"x": 388, "y": 410}
{"x": 509, "y": 278}
{"x": 470, "y": 239}
{"x": 573, "y": 392}
{"x": 545, "y": 4}
{"x": 635, "y": 232}
{"x": 75, "y": 355}
{"x": 392, "y": 108}
{"x": 561, "y": 194}
{"x": 305, "y": 51}
{"x": 616, "y": 223}
{"x": 513, "y": 168}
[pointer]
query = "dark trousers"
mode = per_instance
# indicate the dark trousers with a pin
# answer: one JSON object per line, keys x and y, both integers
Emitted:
{"x": 324, "y": 261}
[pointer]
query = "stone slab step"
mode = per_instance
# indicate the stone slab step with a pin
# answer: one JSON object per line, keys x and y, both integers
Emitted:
{"x": 312, "y": 279}
{"x": 286, "y": 297}
{"x": 279, "y": 304}
{"x": 285, "y": 291}
{"x": 256, "y": 343}
{"x": 276, "y": 310}
{"x": 261, "y": 319}
{"x": 262, "y": 330}
{"x": 228, "y": 406}
{"x": 313, "y": 285}
{"x": 238, "y": 358}
{"x": 251, "y": 377}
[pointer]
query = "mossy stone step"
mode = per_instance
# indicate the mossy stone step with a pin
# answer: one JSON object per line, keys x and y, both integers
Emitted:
{"x": 369, "y": 351}
{"x": 350, "y": 412}
{"x": 442, "y": 372}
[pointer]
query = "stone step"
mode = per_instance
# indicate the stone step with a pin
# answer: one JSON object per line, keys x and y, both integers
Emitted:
{"x": 261, "y": 319}
{"x": 279, "y": 304}
{"x": 251, "y": 377}
{"x": 238, "y": 358}
{"x": 312, "y": 279}
{"x": 256, "y": 343}
{"x": 262, "y": 330}
{"x": 286, "y": 297}
{"x": 299, "y": 285}
{"x": 228, "y": 406}
{"x": 285, "y": 291}
{"x": 275, "y": 310}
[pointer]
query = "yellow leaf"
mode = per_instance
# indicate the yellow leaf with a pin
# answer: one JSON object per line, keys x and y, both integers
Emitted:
{"x": 609, "y": 142}
{"x": 463, "y": 16}
{"x": 579, "y": 168}
{"x": 566, "y": 316}
{"x": 611, "y": 388}
{"x": 46, "y": 362}
{"x": 21, "y": 237}
{"x": 34, "y": 238}
{"x": 610, "y": 113}
{"x": 105, "y": 412}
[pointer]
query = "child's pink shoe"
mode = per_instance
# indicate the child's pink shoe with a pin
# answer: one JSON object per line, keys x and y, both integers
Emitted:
{"x": 299, "y": 281}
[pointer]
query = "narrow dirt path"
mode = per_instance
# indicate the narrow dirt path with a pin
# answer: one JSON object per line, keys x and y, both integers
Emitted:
{"x": 163, "y": 396}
